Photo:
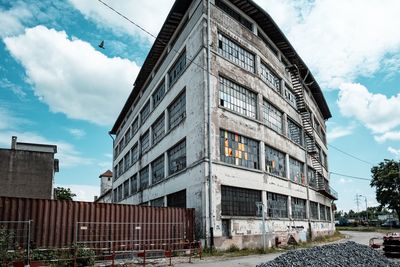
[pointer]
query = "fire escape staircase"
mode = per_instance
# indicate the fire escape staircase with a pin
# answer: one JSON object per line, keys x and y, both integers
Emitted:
{"x": 321, "y": 184}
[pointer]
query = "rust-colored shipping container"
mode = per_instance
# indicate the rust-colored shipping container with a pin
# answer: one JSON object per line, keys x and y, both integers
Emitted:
{"x": 61, "y": 223}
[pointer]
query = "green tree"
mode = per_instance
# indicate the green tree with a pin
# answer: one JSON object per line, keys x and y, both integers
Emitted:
{"x": 64, "y": 193}
{"x": 386, "y": 180}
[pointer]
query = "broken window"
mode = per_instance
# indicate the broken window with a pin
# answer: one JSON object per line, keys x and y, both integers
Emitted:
{"x": 133, "y": 184}
{"x": 145, "y": 112}
{"x": 177, "y": 158}
{"x": 127, "y": 160}
{"x": 135, "y": 126}
{"x": 158, "y": 129}
{"x": 157, "y": 170}
{"x": 277, "y": 205}
{"x": 126, "y": 189}
{"x": 158, "y": 202}
{"x": 239, "y": 150}
{"x": 273, "y": 117}
{"x": 322, "y": 214}
{"x": 177, "y": 69}
{"x": 177, "y": 200}
{"x": 158, "y": 94}
{"x": 294, "y": 132}
{"x": 328, "y": 213}
{"x": 275, "y": 161}
{"x": 314, "y": 210}
{"x": 177, "y": 110}
{"x": 268, "y": 76}
{"x": 290, "y": 97}
{"x": 144, "y": 178}
{"x": 235, "y": 15}
{"x": 312, "y": 177}
{"x": 237, "y": 98}
{"x": 235, "y": 53}
{"x": 298, "y": 208}
{"x": 236, "y": 201}
{"x": 145, "y": 142}
{"x": 296, "y": 171}
{"x": 134, "y": 153}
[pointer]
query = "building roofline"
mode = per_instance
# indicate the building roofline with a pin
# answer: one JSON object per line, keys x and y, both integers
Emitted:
{"x": 254, "y": 11}
{"x": 39, "y": 145}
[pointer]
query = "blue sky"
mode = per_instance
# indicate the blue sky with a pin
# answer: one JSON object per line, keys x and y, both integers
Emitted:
{"x": 58, "y": 87}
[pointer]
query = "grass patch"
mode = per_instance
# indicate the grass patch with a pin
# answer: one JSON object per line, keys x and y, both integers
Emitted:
{"x": 367, "y": 229}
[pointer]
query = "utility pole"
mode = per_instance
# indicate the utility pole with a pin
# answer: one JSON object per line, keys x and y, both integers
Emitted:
{"x": 260, "y": 205}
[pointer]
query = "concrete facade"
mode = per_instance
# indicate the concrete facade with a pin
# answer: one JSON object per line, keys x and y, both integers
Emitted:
{"x": 28, "y": 170}
{"x": 227, "y": 227}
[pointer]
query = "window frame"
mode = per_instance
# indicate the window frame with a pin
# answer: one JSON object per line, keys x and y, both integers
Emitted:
{"x": 178, "y": 103}
{"x": 156, "y": 170}
{"x": 277, "y": 154}
{"x": 281, "y": 210}
{"x": 238, "y": 201}
{"x": 179, "y": 163}
{"x": 270, "y": 115}
{"x": 172, "y": 79}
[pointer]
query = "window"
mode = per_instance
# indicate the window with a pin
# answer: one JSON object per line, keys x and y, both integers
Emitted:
{"x": 296, "y": 171}
{"x": 127, "y": 136}
{"x": 235, "y": 53}
{"x": 134, "y": 153}
{"x": 236, "y": 201}
{"x": 145, "y": 112}
{"x": 133, "y": 184}
{"x": 177, "y": 158}
{"x": 122, "y": 144}
{"x": 158, "y": 129}
{"x": 267, "y": 43}
{"x": 324, "y": 160}
{"x": 298, "y": 208}
{"x": 120, "y": 167}
{"x": 157, "y": 170}
{"x": 177, "y": 200}
{"x": 177, "y": 69}
{"x": 309, "y": 143}
{"x": 116, "y": 151}
{"x": 235, "y": 15}
{"x": 135, "y": 126}
{"x": 275, "y": 161}
{"x": 145, "y": 142}
{"x": 322, "y": 214}
{"x": 126, "y": 189}
{"x": 177, "y": 110}
{"x": 119, "y": 193}
{"x": 235, "y": 97}
{"x": 239, "y": 150}
{"x": 268, "y": 76}
{"x": 313, "y": 210}
{"x": 158, "y": 94}
{"x": 312, "y": 177}
{"x": 328, "y": 213}
{"x": 115, "y": 195}
{"x": 294, "y": 132}
{"x": 127, "y": 160}
{"x": 277, "y": 205}
{"x": 273, "y": 117}
{"x": 290, "y": 97}
{"x": 144, "y": 178}
{"x": 158, "y": 202}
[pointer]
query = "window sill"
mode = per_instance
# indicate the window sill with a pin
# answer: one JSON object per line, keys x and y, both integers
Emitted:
{"x": 237, "y": 167}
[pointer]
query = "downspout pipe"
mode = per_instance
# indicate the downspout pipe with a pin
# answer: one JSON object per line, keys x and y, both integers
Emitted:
{"x": 112, "y": 191}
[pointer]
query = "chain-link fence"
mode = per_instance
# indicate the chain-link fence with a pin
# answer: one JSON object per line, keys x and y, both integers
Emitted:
{"x": 15, "y": 242}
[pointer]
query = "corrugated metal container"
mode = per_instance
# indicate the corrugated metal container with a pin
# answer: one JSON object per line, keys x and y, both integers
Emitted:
{"x": 60, "y": 223}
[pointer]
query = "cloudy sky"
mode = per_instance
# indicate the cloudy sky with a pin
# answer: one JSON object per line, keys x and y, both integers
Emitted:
{"x": 58, "y": 87}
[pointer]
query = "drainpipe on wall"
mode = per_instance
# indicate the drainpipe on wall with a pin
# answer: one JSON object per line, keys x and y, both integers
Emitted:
{"x": 112, "y": 191}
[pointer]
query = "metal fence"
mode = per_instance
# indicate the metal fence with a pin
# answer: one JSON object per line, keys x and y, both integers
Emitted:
{"x": 15, "y": 240}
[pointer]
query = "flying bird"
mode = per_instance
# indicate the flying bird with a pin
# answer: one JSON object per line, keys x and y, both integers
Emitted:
{"x": 101, "y": 45}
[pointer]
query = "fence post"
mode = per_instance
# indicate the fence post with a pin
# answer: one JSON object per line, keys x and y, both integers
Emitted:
{"x": 29, "y": 244}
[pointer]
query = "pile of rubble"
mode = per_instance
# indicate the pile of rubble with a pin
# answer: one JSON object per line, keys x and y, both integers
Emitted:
{"x": 349, "y": 254}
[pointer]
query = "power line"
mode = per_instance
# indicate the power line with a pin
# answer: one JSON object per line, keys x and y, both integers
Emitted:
{"x": 350, "y": 155}
{"x": 350, "y": 176}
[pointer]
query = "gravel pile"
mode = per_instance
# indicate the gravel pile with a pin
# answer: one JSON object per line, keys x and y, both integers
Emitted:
{"x": 349, "y": 254}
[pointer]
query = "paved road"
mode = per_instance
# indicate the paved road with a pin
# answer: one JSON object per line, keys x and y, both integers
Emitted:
{"x": 247, "y": 261}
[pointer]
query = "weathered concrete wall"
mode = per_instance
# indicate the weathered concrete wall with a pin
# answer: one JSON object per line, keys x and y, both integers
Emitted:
{"x": 26, "y": 174}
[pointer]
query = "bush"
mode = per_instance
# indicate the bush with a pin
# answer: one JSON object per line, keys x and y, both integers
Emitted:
{"x": 233, "y": 248}
{"x": 85, "y": 256}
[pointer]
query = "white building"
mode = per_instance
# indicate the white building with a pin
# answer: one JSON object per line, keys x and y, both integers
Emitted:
{"x": 105, "y": 188}
{"x": 267, "y": 123}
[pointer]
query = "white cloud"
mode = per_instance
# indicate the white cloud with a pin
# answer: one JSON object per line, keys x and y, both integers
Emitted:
{"x": 392, "y": 135}
{"x": 6, "y": 84}
{"x": 83, "y": 192}
{"x": 339, "y": 40}
{"x": 149, "y": 14}
{"x": 394, "y": 151}
{"x": 71, "y": 76}
{"x": 11, "y": 20}
{"x": 377, "y": 112}
{"x": 77, "y": 133}
{"x": 344, "y": 180}
{"x": 340, "y": 131}
{"x": 8, "y": 120}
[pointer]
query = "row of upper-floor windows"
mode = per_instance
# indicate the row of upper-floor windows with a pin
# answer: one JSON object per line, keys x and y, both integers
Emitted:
{"x": 176, "y": 113}
{"x": 155, "y": 171}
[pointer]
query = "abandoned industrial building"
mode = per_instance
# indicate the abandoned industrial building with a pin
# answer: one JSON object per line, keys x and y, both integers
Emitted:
{"x": 222, "y": 119}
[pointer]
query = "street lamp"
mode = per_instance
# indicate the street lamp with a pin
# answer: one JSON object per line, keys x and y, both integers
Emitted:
{"x": 366, "y": 204}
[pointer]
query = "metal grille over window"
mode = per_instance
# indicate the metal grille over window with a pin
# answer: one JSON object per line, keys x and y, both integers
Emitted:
{"x": 144, "y": 178}
{"x": 235, "y": 15}
{"x": 145, "y": 142}
{"x": 296, "y": 171}
{"x": 298, "y": 208}
{"x": 236, "y": 201}
{"x": 177, "y": 158}
{"x": 277, "y": 205}
{"x": 135, "y": 126}
{"x": 314, "y": 210}
{"x": 177, "y": 69}
{"x": 235, "y": 53}
{"x": 177, "y": 110}
{"x": 134, "y": 153}
{"x": 235, "y": 97}
{"x": 322, "y": 214}
{"x": 158, "y": 94}
{"x": 275, "y": 161}
{"x": 145, "y": 112}
{"x": 126, "y": 189}
{"x": 158, "y": 129}
{"x": 273, "y": 117}
{"x": 290, "y": 97}
{"x": 239, "y": 150}
{"x": 157, "y": 170}
{"x": 177, "y": 199}
{"x": 294, "y": 132}
{"x": 134, "y": 186}
{"x": 268, "y": 76}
